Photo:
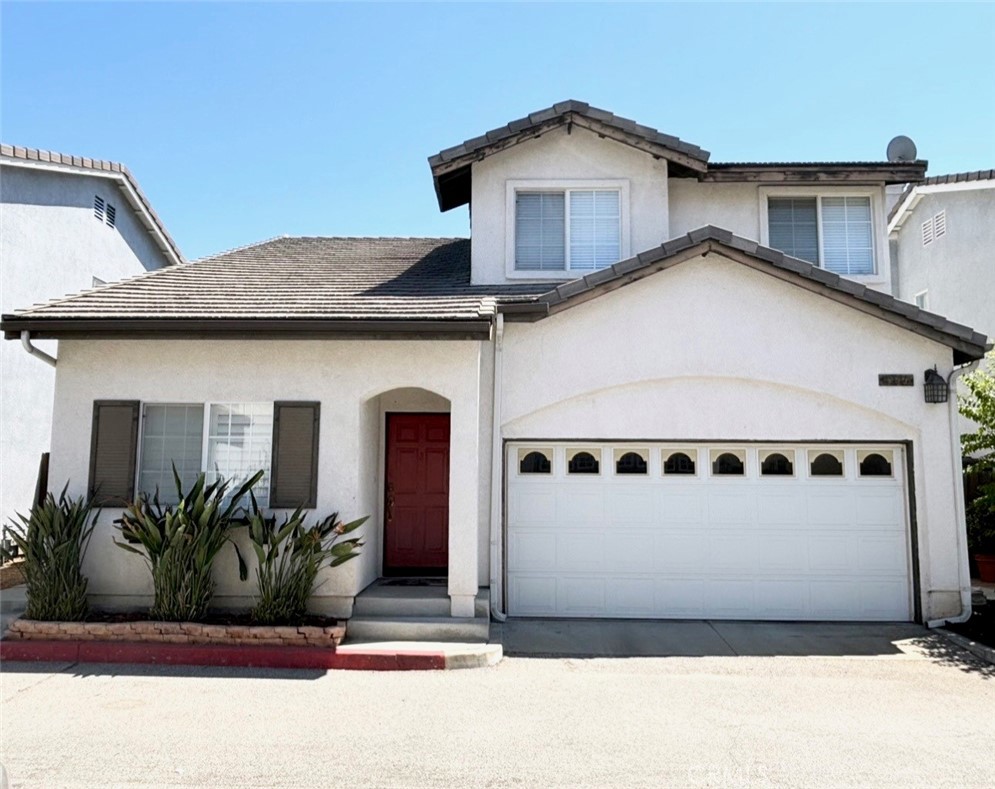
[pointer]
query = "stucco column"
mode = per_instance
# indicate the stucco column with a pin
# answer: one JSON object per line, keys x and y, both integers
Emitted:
{"x": 464, "y": 492}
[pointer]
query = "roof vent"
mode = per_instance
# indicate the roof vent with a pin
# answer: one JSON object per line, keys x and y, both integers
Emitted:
{"x": 111, "y": 215}
{"x": 98, "y": 207}
{"x": 902, "y": 149}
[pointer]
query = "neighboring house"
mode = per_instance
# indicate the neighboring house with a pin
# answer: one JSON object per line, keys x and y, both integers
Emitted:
{"x": 942, "y": 240}
{"x": 943, "y": 247}
{"x": 67, "y": 223}
{"x": 616, "y": 399}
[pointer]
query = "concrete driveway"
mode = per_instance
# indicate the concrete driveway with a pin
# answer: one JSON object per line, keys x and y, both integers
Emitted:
{"x": 699, "y": 638}
{"x": 917, "y": 713}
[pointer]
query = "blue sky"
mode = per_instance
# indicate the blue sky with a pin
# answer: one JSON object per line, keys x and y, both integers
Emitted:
{"x": 247, "y": 121}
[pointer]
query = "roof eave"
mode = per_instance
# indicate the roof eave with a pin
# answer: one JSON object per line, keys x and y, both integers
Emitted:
{"x": 861, "y": 173}
{"x": 242, "y": 328}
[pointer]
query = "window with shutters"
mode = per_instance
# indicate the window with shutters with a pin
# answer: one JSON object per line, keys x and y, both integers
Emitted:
{"x": 831, "y": 231}
{"x": 132, "y": 442}
{"x": 560, "y": 230}
{"x": 229, "y": 440}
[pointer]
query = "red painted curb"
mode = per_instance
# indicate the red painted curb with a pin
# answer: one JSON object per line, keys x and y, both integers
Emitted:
{"x": 217, "y": 655}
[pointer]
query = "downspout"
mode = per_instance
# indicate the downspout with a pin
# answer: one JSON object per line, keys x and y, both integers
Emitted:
{"x": 497, "y": 463}
{"x": 956, "y": 465}
{"x": 38, "y": 353}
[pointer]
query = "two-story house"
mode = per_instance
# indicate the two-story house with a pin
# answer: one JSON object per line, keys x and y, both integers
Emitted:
{"x": 67, "y": 223}
{"x": 648, "y": 385}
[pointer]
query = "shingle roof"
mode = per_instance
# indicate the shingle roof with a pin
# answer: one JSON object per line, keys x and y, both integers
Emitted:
{"x": 295, "y": 277}
{"x": 939, "y": 180}
{"x": 966, "y": 343}
{"x": 451, "y": 166}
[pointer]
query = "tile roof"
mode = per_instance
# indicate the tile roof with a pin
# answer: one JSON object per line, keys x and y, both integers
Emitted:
{"x": 17, "y": 153}
{"x": 298, "y": 277}
{"x": 939, "y": 180}
{"x": 406, "y": 282}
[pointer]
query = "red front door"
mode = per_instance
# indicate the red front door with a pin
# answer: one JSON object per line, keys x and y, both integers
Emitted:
{"x": 416, "y": 511}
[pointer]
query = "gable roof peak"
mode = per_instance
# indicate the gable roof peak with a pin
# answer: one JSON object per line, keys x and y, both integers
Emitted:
{"x": 451, "y": 167}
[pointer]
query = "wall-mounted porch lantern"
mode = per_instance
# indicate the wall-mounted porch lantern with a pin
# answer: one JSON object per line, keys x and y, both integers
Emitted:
{"x": 935, "y": 387}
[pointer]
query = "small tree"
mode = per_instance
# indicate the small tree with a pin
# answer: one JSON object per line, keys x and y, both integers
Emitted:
{"x": 979, "y": 406}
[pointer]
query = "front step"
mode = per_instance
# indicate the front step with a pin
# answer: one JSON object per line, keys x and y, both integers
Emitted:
{"x": 417, "y": 628}
{"x": 414, "y": 613}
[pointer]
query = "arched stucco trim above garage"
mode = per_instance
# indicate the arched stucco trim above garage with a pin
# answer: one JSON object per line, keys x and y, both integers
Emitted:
{"x": 689, "y": 406}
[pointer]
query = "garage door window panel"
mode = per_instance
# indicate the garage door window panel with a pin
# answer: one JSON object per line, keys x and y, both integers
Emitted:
{"x": 826, "y": 463}
{"x": 631, "y": 461}
{"x": 777, "y": 464}
{"x": 681, "y": 461}
{"x": 876, "y": 463}
{"x": 728, "y": 462}
{"x": 584, "y": 461}
{"x": 535, "y": 461}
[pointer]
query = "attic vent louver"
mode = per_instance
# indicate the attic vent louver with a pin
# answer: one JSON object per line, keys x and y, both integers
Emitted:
{"x": 940, "y": 224}
{"x": 111, "y": 215}
{"x": 98, "y": 207}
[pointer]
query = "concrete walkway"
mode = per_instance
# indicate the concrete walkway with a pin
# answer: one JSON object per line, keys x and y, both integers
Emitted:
{"x": 698, "y": 638}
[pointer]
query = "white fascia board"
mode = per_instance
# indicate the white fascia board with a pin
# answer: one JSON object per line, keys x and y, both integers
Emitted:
{"x": 123, "y": 184}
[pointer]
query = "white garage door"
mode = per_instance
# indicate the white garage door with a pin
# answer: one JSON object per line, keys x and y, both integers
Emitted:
{"x": 784, "y": 532}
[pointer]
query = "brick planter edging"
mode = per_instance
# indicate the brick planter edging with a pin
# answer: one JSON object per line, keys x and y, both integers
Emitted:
{"x": 177, "y": 633}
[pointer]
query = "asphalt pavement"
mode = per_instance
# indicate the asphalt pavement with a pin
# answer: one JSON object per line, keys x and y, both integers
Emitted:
{"x": 922, "y": 714}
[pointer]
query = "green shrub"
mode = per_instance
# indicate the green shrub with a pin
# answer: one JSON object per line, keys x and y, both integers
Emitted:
{"x": 180, "y": 543}
{"x": 290, "y": 557}
{"x": 53, "y": 539}
{"x": 981, "y": 524}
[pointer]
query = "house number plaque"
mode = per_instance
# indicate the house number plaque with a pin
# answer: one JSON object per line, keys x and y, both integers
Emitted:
{"x": 894, "y": 379}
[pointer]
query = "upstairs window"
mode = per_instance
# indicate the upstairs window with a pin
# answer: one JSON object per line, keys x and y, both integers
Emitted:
{"x": 567, "y": 229}
{"x": 835, "y": 233}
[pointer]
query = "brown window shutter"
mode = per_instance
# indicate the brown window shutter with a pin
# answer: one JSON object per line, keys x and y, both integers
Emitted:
{"x": 113, "y": 451}
{"x": 294, "y": 476}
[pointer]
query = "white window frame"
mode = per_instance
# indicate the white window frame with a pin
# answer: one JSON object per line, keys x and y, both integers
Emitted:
{"x": 880, "y": 239}
{"x": 205, "y": 434}
{"x": 514, "y": 186}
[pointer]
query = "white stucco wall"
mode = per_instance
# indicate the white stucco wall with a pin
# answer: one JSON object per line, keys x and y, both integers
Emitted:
{"x": 51, "y": 245}
{"x": 561, "y": 157}
{"x": 356, "y": 383}
{"x": 713, "y": 350}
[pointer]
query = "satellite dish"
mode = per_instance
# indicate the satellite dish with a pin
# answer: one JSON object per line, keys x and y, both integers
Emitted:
{"x": 901, "y": 149}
